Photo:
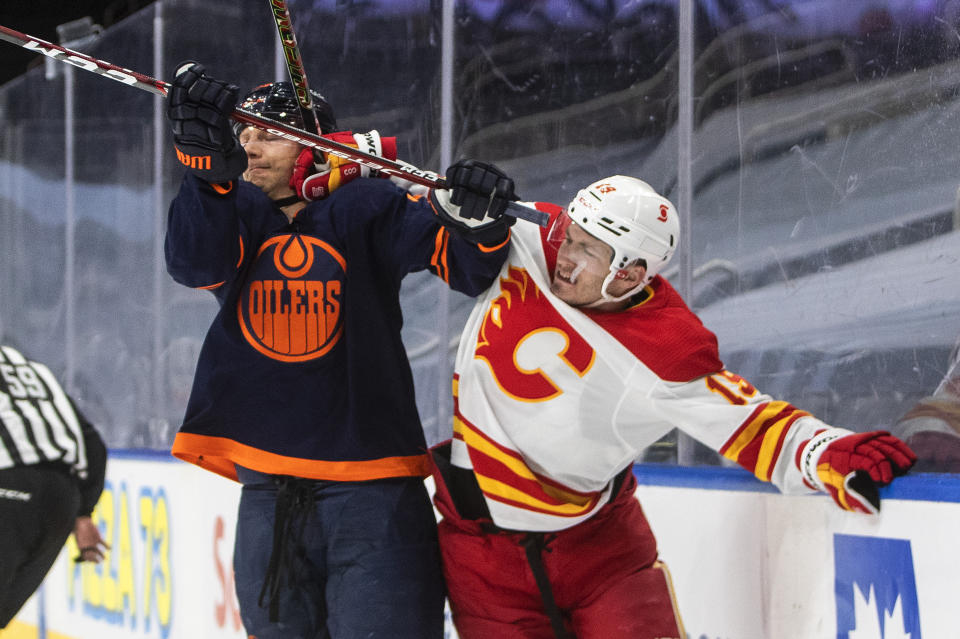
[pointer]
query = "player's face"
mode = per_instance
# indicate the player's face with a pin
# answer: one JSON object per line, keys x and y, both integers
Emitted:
{"x": 583, "y": 262}
{"x": 270, "y": 161}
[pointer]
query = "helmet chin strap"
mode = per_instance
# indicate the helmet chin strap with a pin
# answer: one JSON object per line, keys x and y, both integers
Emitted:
{"x": 286, "y": 201}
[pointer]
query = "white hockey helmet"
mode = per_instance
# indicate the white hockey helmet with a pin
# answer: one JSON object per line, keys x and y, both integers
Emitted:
{"x": 634, "y": 220}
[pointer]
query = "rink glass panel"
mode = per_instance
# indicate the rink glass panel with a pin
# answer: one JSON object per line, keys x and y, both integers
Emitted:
{"x": 824, "y": 175}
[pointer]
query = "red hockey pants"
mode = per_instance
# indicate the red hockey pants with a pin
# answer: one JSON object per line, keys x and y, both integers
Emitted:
{"x": 604, "y": 574}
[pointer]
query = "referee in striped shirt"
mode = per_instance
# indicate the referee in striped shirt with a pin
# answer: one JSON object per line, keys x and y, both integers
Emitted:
{"x": 52, "y": 465}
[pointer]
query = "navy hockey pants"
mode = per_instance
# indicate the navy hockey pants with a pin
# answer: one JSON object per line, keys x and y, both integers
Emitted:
{"x": 366, "y": 562}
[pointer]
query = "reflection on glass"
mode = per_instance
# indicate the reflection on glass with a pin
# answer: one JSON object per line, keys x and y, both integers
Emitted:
{"x": 932, "y": 425}
{"x": 824, "y": 189}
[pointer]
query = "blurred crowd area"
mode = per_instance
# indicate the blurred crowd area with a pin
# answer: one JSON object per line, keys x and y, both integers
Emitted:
{"x": 822, "y": 242}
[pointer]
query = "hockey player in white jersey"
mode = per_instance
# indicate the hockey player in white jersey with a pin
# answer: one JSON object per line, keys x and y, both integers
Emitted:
{"x": 577, "y": 359}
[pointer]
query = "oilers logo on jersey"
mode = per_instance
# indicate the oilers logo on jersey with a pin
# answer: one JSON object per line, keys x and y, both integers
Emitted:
{"x": 290, "y": 308}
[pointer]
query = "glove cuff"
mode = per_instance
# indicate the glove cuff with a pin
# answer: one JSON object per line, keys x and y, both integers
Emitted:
{"x": 440, "y": 200}
{"x": 320, "y": 185}
{"x": 373, "y": 143}
{"x": 488, "y": 234}
{"x": 813, "y": 450}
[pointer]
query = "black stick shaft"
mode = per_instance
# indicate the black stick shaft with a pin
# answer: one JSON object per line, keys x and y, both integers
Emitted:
{"x": 295, "y": 68}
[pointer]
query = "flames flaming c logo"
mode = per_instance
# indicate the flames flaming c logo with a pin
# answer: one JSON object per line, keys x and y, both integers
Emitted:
{"x": 517, "y": 317}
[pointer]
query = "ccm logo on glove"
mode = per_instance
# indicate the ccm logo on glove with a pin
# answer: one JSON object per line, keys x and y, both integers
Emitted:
{"x": 313, "y": 180}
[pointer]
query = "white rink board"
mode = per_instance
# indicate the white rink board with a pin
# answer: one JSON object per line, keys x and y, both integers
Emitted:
{"x": 747, "y": 563}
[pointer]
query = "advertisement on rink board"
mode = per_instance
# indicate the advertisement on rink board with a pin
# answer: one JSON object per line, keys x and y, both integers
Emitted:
{"x": 747, "y": 563}
{"x": 169, "y": 572}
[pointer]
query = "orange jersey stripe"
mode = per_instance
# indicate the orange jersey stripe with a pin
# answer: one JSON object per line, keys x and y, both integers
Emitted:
{"x": 443, "y": 255}
{"x": 240, "y": 261}
{"x": 491, "y": 249}
{"x": 439, "y": 258}
{"x": 219, "y": 454}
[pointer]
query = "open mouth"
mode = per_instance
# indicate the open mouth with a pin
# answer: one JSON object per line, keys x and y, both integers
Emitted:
{"x": 561, "y": 281}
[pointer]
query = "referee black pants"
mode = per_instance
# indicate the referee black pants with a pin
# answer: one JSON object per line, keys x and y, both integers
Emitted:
{"x": 38, "y": 508}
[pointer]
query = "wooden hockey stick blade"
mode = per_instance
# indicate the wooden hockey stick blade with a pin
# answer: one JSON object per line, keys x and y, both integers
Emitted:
{"x": 146, "y": 83}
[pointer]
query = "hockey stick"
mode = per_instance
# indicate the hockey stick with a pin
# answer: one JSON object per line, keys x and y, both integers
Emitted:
{"x": 146, "y": 83}
{"x": 298, "y": 74}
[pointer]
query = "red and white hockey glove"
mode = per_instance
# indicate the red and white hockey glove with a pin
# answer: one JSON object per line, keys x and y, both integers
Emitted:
{"x": 851, "y": 466}
{"x": 313, "y": 181}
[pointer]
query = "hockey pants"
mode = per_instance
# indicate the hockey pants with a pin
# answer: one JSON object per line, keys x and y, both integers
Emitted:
{"x": 603, "y": 574}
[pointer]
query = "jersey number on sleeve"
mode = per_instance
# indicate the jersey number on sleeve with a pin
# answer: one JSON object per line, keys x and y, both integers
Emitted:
{"x": 731, "y": 387}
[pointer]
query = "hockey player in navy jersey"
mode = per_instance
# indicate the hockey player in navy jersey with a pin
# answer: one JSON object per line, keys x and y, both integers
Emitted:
{"x": 578, "y": 358}
{"x": 52, "y": 465}
{"x": 303, "y": 392}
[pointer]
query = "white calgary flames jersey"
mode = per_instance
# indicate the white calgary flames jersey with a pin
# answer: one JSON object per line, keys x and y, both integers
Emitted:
{"x": 552, "y": 402}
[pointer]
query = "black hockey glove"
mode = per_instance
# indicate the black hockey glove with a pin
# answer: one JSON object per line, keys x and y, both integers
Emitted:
{"x": 199, "y": 109}
{"x": 474, "y": 200}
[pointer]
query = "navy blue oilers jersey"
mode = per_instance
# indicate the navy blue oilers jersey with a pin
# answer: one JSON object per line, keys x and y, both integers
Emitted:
{"x": 303, "y": 371}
